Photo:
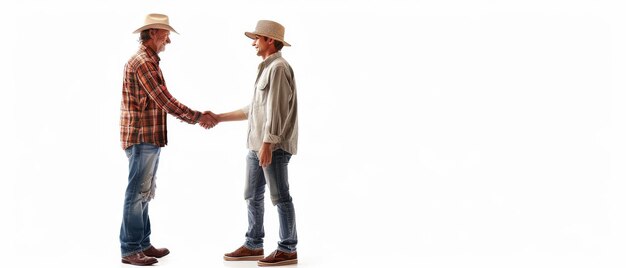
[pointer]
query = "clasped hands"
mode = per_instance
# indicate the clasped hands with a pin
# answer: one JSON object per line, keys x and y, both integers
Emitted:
{"x": 208, "y": 120}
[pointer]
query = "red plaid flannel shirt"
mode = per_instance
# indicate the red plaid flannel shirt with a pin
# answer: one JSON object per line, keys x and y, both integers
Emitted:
{"x": 146, "y": 102}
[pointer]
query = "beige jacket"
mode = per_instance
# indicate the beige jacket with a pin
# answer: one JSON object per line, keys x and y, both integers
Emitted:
{"x": 273, "y": 113}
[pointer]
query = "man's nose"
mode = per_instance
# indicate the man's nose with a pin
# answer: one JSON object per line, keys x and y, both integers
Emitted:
{"x": 168, "y": 40}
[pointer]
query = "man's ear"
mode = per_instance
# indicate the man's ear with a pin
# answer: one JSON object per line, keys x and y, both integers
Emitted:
{"x": 270, "y": 41}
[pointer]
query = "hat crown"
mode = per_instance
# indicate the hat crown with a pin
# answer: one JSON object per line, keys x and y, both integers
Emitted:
{"x": 269, "y": 29}
{"x": 157, "y": 18}
{"x": 156, "y": 21}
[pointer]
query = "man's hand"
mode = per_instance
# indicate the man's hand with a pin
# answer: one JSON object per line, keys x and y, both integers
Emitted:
{"x": 265, "y": 154}
{"x": 208, "y": 120}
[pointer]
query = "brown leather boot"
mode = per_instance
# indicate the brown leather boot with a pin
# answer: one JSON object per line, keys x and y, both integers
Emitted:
{"x": 244, "y": 254}
{"x": 139, "y": 259}
{"x": 156, "y": 252}
{"x": 278, "y": 258}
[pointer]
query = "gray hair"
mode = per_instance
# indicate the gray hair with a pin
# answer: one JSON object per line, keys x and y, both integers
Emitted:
{"x": 144, "y": 36}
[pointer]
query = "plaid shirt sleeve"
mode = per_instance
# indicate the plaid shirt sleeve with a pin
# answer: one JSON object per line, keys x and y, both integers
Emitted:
{"x": 150, "y": 78}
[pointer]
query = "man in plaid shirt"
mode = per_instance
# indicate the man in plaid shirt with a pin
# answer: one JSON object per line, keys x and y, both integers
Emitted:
{"x": 143, "y": 131}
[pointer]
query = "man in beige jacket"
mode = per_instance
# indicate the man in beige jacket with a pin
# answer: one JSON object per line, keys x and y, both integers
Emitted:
{"x": 272, "y": 140}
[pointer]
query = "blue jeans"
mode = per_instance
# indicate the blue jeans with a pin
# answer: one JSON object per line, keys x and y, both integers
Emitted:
{"x": 143, "y": 160}
{"x": 275, "y": 175}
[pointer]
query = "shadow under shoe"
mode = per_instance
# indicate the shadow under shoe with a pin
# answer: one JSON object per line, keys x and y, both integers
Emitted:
{"x": 278, "y": 258}
{"x": 244, "y": 254}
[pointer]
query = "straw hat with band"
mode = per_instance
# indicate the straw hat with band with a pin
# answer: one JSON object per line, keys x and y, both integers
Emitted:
{"x": 269, "y": 29}
{"x": 156, "y": 21}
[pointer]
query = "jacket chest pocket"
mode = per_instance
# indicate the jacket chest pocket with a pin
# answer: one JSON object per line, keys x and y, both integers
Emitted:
{"x": 261, "y": 91}
{"x": 262, "y": 83}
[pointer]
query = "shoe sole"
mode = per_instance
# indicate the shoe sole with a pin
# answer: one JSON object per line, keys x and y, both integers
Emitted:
{"x": 139, "y": 264}
{"x": 287, "y": 262}
{"x": 244, "y": 258}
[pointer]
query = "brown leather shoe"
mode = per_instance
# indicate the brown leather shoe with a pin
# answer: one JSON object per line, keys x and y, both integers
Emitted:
{"x": 139, "y": 259}
{"x": 279, "y": 258}
{"x": 244, "y": 254}
{"x": 156, "y": 252}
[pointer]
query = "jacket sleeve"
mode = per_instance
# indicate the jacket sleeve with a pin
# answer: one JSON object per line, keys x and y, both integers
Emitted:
{"x": 277, "y": 105}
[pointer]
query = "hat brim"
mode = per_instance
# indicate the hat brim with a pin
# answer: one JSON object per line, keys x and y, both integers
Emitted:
{"x": 253, "y": 35}
{"x": 156, "y": 26}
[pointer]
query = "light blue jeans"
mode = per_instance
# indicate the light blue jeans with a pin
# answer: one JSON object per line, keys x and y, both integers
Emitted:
{"x": 143, "y": 160}
{"x": 275, "y": 175}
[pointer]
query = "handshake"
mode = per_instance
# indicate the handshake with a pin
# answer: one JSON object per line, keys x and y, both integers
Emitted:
{"x": 208, "y": 119}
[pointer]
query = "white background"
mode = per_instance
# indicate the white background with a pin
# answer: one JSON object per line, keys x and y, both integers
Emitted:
{"x": 433, "y": 133}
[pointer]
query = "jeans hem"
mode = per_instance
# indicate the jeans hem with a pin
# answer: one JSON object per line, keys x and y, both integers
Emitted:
{"x": 286, "y": 250}
{"x": 131, "y": 253}
{"x": 252, "y": 248}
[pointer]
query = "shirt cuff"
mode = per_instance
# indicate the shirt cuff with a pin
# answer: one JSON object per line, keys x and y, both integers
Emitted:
{"x": 272, "y": 139}
{"x": 245, "y": 110}
{"x": 196, "y": 117}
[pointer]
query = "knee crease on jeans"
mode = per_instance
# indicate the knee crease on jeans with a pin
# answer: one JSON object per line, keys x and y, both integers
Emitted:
{"x": 149, "y": 195}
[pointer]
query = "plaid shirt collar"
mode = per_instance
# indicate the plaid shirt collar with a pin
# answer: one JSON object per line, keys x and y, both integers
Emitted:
{"x": 150, "y": 52}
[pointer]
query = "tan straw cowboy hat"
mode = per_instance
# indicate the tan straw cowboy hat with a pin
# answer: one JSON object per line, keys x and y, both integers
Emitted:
{"x": 156, "y": 21}
{"x": 269, "y": 29}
